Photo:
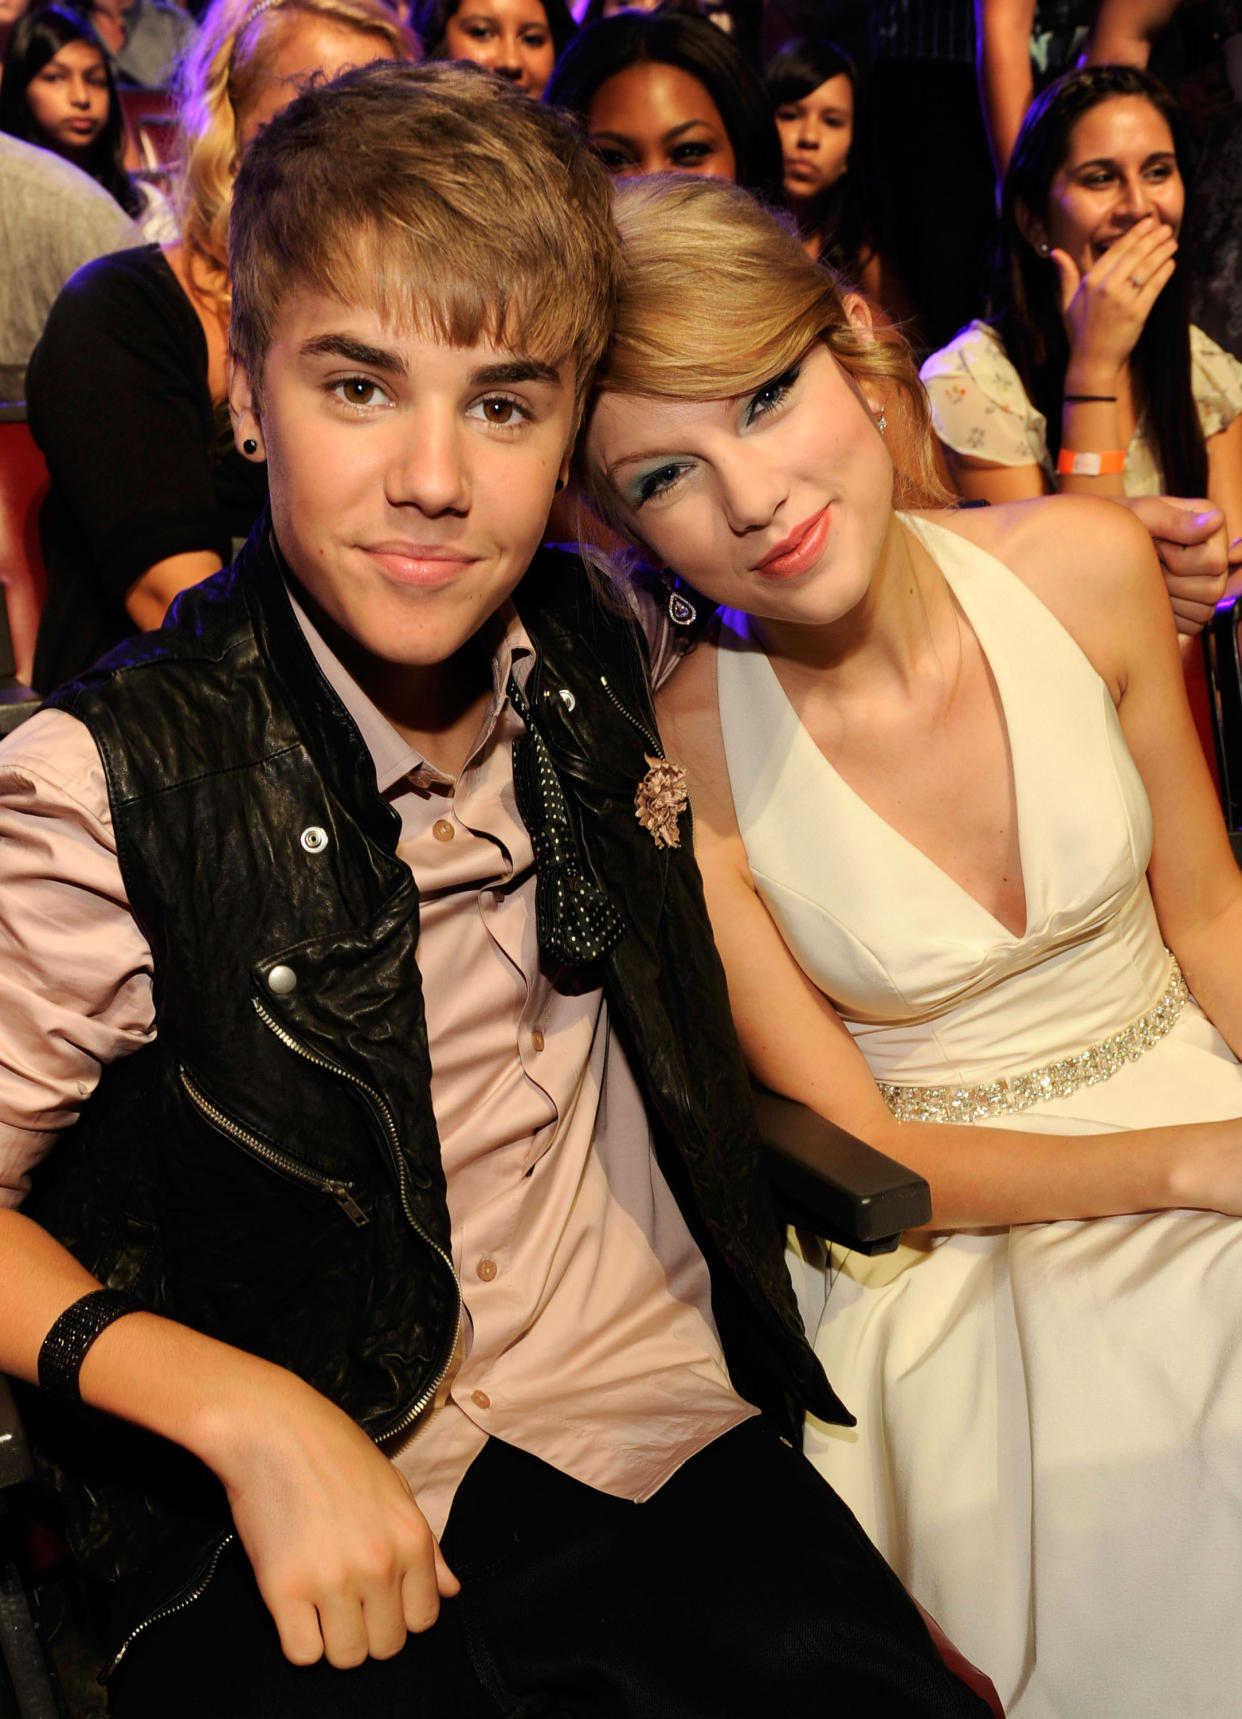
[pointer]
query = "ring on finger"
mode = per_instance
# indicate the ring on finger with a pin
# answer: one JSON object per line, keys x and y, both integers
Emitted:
{"x": 1136, "y": 283}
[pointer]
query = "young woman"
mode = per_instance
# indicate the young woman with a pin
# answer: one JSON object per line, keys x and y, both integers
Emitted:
{"x": 148, "y": 493}
{"x": 59, "y": 93}
{"x": 813, "y": 88}
{"x": 1090, "y": 378}
{"x": 667, "y": 90}
{"x": 976, "y": 903}
{"x": 517, "y": 39}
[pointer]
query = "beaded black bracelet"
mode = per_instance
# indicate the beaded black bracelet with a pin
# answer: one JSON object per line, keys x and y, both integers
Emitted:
{"x": 64, "y": 1348}
{"x": 1083, "y": 399}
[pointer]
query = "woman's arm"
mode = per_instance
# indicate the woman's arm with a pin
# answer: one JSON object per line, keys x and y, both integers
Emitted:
{"x": 1003, "y": 63}
{"x": 976, "y": 479}
{"x": 1095, "y": 569}
{"x": 1123, "y": 31}
{"x": 148, "y": 597}
{"x": 795, "y": 1042}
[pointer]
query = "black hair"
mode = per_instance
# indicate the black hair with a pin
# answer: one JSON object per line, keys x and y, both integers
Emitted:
{"x": 1025, "y": 302}
{"x": 745, "y": 16}
{"x": 679, "y": 39}
{"x": 802, "y": 64}
{"x": 835, "y": 217}
{"x": 37, "y": 38}
{"x": 429, "y": 20}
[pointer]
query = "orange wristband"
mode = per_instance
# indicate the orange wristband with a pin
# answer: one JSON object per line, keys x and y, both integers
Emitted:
{"x": 1091, "y": 465}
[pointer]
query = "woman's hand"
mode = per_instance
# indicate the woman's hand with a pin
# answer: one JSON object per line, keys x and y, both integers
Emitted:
{"x": 344, "y": 1559}
{"x": 1189, "y": 539}
{"x": 1105, "y": 309}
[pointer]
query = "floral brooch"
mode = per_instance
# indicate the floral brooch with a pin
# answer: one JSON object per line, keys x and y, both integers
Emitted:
{"x": 660, "y": 801}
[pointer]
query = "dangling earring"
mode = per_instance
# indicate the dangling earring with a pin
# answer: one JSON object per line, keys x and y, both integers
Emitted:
{"x": 681, "y": 611}
{"x": 881, "y": 422}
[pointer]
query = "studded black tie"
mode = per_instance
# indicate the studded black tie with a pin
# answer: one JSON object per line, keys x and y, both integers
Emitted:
{"x": 575, "y": 920}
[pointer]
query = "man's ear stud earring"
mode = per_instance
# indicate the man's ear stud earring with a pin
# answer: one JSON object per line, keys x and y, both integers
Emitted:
{"x": 250, "y": 446}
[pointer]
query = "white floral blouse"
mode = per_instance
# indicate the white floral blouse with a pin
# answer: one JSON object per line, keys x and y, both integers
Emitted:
{"x": 979, "y": 406}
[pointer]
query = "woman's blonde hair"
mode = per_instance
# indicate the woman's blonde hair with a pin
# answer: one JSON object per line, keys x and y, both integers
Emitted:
{"x": 218, "y": 78}
{"x": 716, "y": 297}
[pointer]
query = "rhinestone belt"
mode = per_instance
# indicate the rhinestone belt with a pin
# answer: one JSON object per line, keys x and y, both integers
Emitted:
{"x": 1053, "y": 1080}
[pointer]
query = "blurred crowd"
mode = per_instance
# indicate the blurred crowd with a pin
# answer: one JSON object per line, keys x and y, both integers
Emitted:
{"x": 1045, "y": 197}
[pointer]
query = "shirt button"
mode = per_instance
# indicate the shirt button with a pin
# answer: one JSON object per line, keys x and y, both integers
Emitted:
{"x": 442, "y": 830}
{"x": 485, "y": 1270}
{"x": 537, "y": 1039}
{"x": 480, "y": 1399}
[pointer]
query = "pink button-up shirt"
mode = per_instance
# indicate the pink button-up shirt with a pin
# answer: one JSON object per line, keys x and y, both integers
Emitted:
{"x": 588, "y": 1337}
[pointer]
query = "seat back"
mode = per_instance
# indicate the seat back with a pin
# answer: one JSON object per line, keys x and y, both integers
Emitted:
{"x": 23, "y": 577}
{"x": 1222, "y": 677}
{"x": 153, "y": 134}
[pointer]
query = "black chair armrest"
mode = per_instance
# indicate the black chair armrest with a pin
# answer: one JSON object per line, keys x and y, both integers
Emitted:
{"x": 14, "y": 1453}
{"x": 833, "y": 1184}
{"x": 17, "y": 702}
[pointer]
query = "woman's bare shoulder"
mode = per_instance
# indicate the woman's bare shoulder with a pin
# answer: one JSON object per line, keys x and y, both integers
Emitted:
{"x": 1086, "y": 558}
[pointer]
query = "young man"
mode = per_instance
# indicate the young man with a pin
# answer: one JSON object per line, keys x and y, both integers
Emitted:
{"x": 420, "y": 1144}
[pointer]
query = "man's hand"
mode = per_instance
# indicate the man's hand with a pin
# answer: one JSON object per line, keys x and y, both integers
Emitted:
{"x": 1189, "y": 538}
{"x": 344, "y": 1559}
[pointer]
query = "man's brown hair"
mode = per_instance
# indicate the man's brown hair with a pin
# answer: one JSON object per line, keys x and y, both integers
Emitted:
{"x": 438, "y": 194}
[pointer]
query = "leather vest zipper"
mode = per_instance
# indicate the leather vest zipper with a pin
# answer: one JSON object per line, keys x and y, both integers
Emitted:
{"x": 197, "y": 1585}
{"x": 384, "y": 1117}
{"x": 272, "y": 1155}
{"x": 628, "y": 714}
{"x": 657, "y": 751}
{"x": 191, "y": 1590}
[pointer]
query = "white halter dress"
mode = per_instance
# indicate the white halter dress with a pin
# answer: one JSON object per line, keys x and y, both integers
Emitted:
{"x": 1049, "y": 1448}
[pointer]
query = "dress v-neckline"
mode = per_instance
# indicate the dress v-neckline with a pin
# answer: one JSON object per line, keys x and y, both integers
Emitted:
{"x": 925, "y": 530}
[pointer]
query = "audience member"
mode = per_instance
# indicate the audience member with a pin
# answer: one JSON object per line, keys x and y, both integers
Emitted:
{"x": 53, "y": 218}
{"x": 59, "y": 92}
{"x": 666, "y": 90}
{"x": 813, "y": 88}
{"x": 416, "y": 1150}
{"x": 127, "y": 387}
{"x": 931, "y": 755}
{"x": 1091, "y": 378}
{"x": 517, "y": 39}
{"x": 145, "y": 38}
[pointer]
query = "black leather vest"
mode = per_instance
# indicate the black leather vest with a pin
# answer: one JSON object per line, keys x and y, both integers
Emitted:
{"x": 268, "y": 1169}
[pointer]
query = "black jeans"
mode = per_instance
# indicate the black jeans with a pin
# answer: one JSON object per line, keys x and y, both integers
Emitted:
{"x": 743, "y": 1590}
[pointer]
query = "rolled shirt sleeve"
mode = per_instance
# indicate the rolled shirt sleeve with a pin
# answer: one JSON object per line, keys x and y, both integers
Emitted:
{"x": 75, "y": 970}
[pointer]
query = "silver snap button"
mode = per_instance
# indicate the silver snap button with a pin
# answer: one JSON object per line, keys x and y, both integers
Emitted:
{"x": 567, "y": 698}
{"x": 314, "y": 840}
{"x": 282, "y": 980}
